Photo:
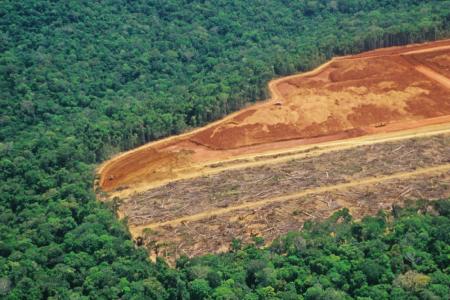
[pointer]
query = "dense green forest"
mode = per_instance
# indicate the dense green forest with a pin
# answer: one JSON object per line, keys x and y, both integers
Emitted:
{"x": 404, "y": 255}
{"x": 82, "y": 80}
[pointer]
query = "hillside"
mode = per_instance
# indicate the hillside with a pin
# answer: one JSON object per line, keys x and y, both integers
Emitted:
{"x": 376, "y": 92}
{"x": 316, "y": 147}
{"x": 82, "y": 81}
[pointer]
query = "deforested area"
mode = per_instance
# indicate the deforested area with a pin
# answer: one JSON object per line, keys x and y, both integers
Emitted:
{"x": 380, "y": 91}
{"x": 228, "y": 188}
{"x": 269, "y": 221}
{"x": 97, "y": 99}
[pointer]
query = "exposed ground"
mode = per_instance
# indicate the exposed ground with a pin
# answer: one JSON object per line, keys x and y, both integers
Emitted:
{"x": 234, "y": 187}
{"x": 378, "y": 91}
{"x": 361, "y": 132}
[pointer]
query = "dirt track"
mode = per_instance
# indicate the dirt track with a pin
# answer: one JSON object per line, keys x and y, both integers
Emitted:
{"x": 377, "y": 103}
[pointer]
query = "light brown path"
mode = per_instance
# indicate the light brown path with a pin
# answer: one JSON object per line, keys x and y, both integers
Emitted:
{"x": 425, "y": 70}
{"x": 136, "y": 230}
{"x": 434, "y": 75}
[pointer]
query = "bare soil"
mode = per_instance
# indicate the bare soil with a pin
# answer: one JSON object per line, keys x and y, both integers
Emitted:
{"x": 379, "y": 91}
{"x": 438, "y": 61}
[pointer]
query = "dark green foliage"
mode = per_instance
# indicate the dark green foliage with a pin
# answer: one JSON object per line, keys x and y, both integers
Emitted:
{"x": 82, "y": 80}
{"x": 397, "y": 263}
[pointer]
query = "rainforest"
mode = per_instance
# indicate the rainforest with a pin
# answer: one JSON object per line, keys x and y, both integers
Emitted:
{"x": 82, "y": 81}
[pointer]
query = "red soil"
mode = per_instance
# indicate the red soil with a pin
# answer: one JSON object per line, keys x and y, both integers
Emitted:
{"x": 347, "y": 97}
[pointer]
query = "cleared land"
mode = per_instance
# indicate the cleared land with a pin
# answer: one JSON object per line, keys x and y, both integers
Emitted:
{"x": 204, "y": 214}
{"x": 215, "y": 233}
{"x": 230, "y": 188}
{"x": 379, "y": 91}
{"x": 362, "y": 132}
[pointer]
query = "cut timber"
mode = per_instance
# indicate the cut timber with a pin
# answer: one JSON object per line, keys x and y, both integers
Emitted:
{"x": 256, "y": 204}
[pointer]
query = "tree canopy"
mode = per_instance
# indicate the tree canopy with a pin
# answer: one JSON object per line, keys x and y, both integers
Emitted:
{"x": 82, "y": 80}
